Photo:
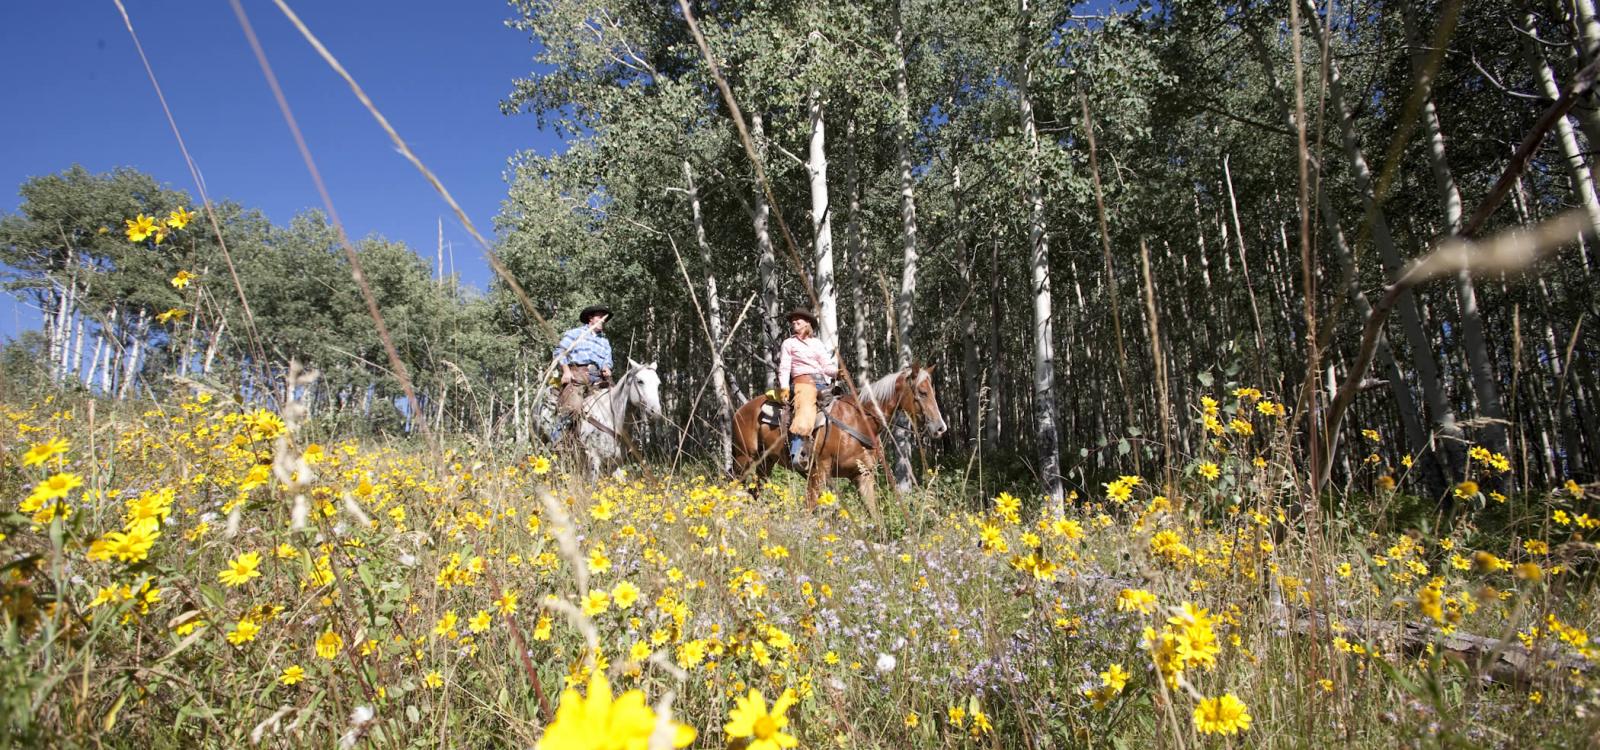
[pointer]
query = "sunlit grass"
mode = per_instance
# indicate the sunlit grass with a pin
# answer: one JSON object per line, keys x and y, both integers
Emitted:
{"x": 201, "y": 574}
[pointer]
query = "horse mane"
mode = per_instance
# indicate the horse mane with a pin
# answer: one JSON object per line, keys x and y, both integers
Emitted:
{"x": 882, "y": 390}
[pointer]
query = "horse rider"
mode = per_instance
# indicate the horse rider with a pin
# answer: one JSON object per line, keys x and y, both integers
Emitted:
{"x": 584, "y": 356}
{"x": 805, "y": 365}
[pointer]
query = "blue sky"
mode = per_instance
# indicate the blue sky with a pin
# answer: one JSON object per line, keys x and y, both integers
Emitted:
{"x": 436, "y": 68}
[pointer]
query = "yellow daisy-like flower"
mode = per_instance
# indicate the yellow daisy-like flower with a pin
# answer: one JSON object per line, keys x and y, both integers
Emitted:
{"x": 597, "y": 602}
{"x": 243, "y": 632}
{"x": 446, "y": 623}
{"x": 293, "y": 675}
{"x": 1210, "y": 471}
{"x": 601, "y": 721}
{"x": 625, "y": 594}
{"x": 479, "y": 622}
{"x": 58, "y": 485}
{"x": 180, "y": 218}
{"x": 131, "y": 544}
{"x": 433, "y": 679}
{"x": 329, "y": 644}
{"x": 541, "y": 464}
{"x": 181, "y": 280}
{"x": 764, "y": 729}
{"x": 1115, "y": 678}
{"x": 41, "y": 452}
{"x": 241, "y": 569}
{"x": 140, "y": 227}
{"x": 1136, "y": 600}
{"x": 1225, "y": 715}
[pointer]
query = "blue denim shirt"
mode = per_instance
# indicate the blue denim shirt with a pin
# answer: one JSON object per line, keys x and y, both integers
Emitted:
{"x": 593, "y": 349}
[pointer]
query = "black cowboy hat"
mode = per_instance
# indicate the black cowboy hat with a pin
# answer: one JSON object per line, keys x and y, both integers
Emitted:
{"x": 591, "y": 311}
{"x": 800, "y": 312}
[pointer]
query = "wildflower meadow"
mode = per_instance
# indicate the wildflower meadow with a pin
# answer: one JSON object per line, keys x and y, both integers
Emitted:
{"x": 754, "y": 375}
{"x": 202, "y": 574}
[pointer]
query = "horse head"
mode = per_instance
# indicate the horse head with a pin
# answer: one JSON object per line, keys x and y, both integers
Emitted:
{"x": 914, "y": 395}
{"x": 641, "y": 386}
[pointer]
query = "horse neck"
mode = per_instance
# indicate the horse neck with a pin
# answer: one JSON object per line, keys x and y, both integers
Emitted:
{"x": 883, "y": 397}
{"x": 610, "y": 410}
{"x": 617, "y": 408}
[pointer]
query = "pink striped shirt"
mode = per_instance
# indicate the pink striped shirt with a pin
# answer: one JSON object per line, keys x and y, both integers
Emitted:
{"x": 808, "y": 356}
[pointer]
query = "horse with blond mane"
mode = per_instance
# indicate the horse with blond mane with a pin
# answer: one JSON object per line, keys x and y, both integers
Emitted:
{"x": 846, "y": 438}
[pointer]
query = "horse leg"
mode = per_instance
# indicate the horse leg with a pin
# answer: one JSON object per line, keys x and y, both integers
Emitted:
{"x": 867, "y": 486}
{"x": 816, "y": 479}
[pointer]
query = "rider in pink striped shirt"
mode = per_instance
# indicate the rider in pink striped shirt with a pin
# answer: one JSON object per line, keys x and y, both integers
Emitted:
{"x": 805, "y": 364}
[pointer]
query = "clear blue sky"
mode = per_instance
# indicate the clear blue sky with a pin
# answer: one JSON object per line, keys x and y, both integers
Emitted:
{"x": 436, "y": 68}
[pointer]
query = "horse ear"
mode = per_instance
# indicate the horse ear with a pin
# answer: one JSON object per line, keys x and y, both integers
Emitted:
{"x": 652, "y": 364}
{"x": 930, "y": 367}
{"x": 632, "y": 365}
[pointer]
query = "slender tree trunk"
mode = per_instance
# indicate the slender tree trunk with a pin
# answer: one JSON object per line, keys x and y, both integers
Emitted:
{"x": 1044, "y": 403}
{"x": 822, "y": 220}
{"x": 1581, "y": 21}
{"x": 77, "y": 348}
{"x": 856, "y": 247}
{"x": 130, "y": 373}
{"x": 108, "y": 334}
{"x": 997, "y": 356}
{"x": 905, "y": 305}
{"x": 719, "y": 381}
{"x": 1485, "y": 385}
{"x": 767, "y": 265}
{"x": 211, "y": 349}
{"x": 1244, "y": 266}
{"x": 971, "y": 374}
{"x": 1416, "y": 439}
{"x": 87, "y": 376}
{"x": 60, "y": 333}
{"x": 1426, "y": 367}
{"x": 1583, "y": 190}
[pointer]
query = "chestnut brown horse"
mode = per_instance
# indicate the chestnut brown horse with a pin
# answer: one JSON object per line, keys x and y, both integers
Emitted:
{"x": 835, "y": 453}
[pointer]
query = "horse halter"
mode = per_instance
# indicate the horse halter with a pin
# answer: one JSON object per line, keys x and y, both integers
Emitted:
{"x": 914, "y": 410}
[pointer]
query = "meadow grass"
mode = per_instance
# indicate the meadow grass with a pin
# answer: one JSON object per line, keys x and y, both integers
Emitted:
{"x": 202, "y": 574}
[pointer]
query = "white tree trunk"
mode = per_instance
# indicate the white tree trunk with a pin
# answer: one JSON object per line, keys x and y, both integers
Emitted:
{"x": 1484, "y": 384}
{"x": 767, "y": 265}
{"x": 108, "y": 334}
{"x": 905, "y": 304}
{"x": 1427, "y": 369}
{"x": 856, "y": 248}
{"x": 87, "y": 376}
{"x": 822, "y": 222}
{"x": 1044, "y": 400}
{"x": 130, "y": 371}
{"x": 211, "y": 349}
{"x": 76, "y": 368}
{"x": 971, "y": 370}
{"x": 60, "y": 332}
{"x": 719, "y": 380}
{"x": 1582, "y": 179}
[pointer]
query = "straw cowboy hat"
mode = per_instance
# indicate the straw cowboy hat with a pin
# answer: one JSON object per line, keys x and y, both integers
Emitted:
{"x": 804, "y": 314}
